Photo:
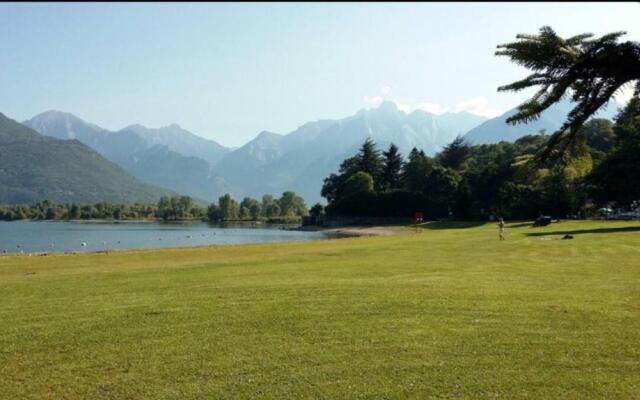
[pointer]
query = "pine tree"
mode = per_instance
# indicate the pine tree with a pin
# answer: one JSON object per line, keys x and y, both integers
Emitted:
{"x": 591, "y": 71}
{"x": 369, "y": 159}
{"x": 392, "y": 168}
{"x": 416, "y": 171}
{"x": 455, "y": 153}
{"x": 414, "y": 154}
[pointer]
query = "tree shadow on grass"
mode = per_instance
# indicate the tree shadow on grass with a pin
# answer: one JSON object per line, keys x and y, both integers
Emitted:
{"x": 452, "y": 224}
{"x": 519, "y": 224}
{"x": 585, "y": 231}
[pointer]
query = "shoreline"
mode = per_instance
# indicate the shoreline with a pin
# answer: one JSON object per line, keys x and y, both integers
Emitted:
{"x": 330, "y": 233}
{"x": 357, "y": 231}
{"x": 105, "y": 221}
{"x": 157, "y": 221}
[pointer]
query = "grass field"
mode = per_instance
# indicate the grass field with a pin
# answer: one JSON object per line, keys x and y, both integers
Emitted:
{"x": 449, "y": 312}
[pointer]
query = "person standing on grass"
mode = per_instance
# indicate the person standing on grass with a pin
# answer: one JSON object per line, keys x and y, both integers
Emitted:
{"x": 501, "y": 228}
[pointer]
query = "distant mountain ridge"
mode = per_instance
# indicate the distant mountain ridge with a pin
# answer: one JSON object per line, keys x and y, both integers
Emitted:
{"x": 34, "y": 167}
{"x": 497, "y": 129}
{"x": 181, "y": 141}
{"x": 169, "y": 157}
{"x": 174, "y": 158}
{"x": 64, "y": 125}
{"x": 300, "y": 160}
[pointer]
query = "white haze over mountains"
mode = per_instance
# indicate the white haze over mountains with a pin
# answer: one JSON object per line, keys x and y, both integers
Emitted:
{"x": 179, "y": 160}
{"x": 476, "y": 105}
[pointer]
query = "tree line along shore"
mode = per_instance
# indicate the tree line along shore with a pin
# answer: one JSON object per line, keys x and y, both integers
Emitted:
{"x": 288, "y": 208}
{"x": 478, "y": 182}
{"x": 462, "y": 182}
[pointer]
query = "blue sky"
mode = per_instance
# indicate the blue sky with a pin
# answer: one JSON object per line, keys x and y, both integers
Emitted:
{"x": 228, "y": 71}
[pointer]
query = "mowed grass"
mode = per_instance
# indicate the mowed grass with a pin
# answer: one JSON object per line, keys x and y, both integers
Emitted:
{"x": 449, "y": 312}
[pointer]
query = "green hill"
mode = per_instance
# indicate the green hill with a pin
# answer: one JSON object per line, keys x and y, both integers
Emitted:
{"x": 34, "y": 167}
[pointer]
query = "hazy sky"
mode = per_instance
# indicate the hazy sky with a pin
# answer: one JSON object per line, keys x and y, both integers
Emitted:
{"x": 228, "y": 71}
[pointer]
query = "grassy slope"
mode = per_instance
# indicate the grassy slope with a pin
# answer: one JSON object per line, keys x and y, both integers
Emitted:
{"x": 35, "y": 168}
{"x": 444, "y": 313}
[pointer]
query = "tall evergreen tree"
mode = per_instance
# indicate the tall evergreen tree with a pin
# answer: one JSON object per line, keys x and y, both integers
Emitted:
{"x": 414, "y": 154}
{"x": 416, "y": 170}
{"x": 392, "y": 168}
{"x": 455, "y": 153}
{"x": 369, "y": 159}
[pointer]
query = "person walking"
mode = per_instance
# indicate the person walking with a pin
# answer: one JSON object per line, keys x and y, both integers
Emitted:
{"x": 501, "y": 228}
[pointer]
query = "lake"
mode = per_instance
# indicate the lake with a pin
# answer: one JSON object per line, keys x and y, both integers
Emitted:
{"x": 28, "y": 236}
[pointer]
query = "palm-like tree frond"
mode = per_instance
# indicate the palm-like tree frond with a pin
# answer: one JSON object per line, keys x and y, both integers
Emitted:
{"x": 590, "y": 70}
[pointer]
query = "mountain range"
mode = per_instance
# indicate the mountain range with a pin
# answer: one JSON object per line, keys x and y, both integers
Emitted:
{"x": 174, "y": 158}
{"x": 179, "y": 160}
{"x": 497, "y": 129}
{"x": 34, "y": 167}
{"x": 300, "y": 160}
{"x": 170, "y": 157}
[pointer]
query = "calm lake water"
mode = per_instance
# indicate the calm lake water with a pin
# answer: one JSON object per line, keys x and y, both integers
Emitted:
{"x": 68, "y": 236}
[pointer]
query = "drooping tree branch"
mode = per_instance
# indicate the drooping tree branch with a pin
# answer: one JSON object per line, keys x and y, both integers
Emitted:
{"x": 589, "y": 70}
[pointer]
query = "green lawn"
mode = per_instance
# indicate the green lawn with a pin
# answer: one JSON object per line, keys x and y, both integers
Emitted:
{"x": 449, "y": 312}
